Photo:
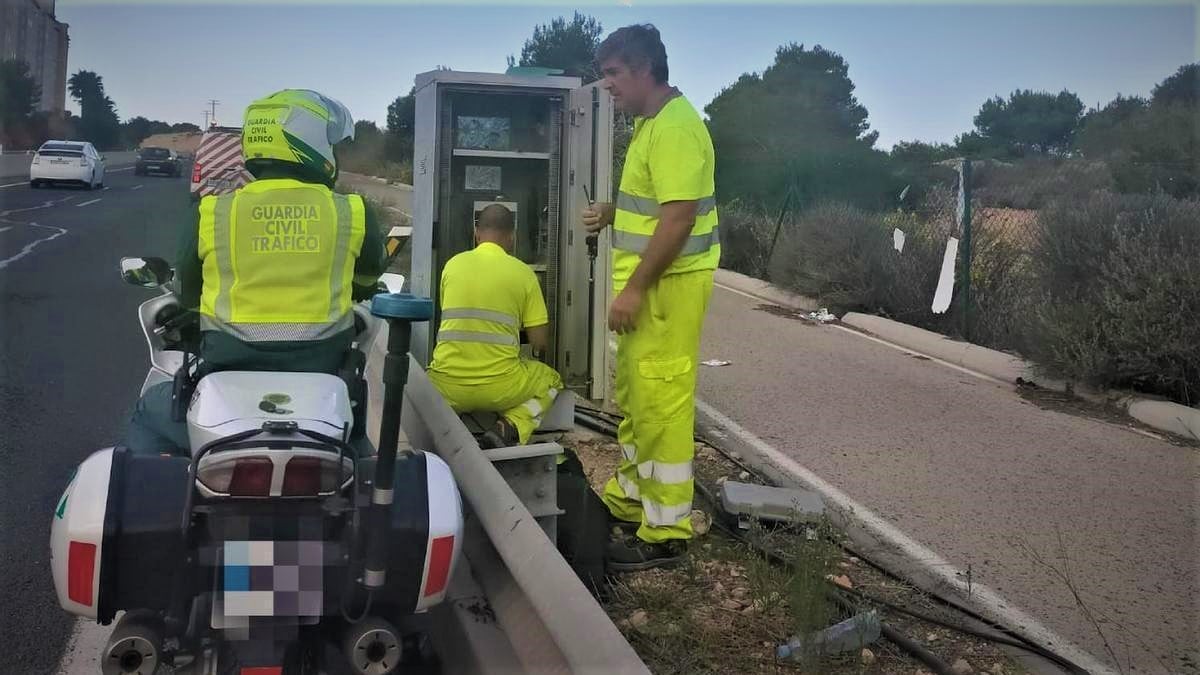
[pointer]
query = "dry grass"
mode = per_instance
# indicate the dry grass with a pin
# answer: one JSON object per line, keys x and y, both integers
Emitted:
{"x": 1018, "y": 227}
{"x": 727, "y": 607}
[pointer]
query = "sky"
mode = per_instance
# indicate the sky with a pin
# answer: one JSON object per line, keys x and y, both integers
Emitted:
{"x": 921, "y": 70}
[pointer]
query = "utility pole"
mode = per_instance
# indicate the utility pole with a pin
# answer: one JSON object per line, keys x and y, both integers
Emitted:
{"x": 213, "y": 103}
{"x": 205, "y": 119}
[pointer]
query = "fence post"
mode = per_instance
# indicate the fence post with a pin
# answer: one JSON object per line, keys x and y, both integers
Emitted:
{"x": 787, "y": 201}
{"x": 964, "y": 224}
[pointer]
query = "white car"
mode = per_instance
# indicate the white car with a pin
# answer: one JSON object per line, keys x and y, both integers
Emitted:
{"x": 67, "y": 162}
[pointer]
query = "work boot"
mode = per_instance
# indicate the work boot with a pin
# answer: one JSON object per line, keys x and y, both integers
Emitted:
{"x": 631, "y": 554}
{"x": 507, "y": 431}
{"x": 621, "y": 528}
{"x": 490, "y": 440}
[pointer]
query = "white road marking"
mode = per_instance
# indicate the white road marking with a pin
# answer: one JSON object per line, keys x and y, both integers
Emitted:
{"x": 25, "y": 182}
{"x": 106, "y": 189}
{"x": 44, "y": 205}
{"x": 90, "y": 201}
{"x": 905, "y": 350}
{"x": 128, "y": 168}
{"x": 909, "y": 352}
{"x": 5, "y": 229}
{"x": 992, "y": 604}
{"x": 136, "y": 187}
{"x": 58, "y": 232}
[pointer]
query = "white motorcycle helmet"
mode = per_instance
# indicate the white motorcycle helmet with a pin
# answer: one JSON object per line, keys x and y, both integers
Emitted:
{"x": 297, "y": 127}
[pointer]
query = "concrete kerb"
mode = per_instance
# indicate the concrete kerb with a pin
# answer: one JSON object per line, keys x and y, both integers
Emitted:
{"x": 764, "y": 290}
{"x": 1165, "y": 416}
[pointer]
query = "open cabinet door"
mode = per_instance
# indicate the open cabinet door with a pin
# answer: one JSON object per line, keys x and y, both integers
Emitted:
{"x": 583, "y": 346}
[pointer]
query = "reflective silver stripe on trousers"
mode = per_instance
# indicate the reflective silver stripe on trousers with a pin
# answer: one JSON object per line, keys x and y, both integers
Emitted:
{"x": 665, "y": 472}
{"x": 481, "y": 314}
{"x": 534, "y": 406}
{"x": 222, "y": 245}
{"x": 629, "y": 487}
{"x": 665, "y": 514}
{"x": 648, "y": 206}
{"x": 279, "y": 332}
{"x": 476, "y": 336}
{"x": 345, "y": 225}
{"x": 637, "y": 243}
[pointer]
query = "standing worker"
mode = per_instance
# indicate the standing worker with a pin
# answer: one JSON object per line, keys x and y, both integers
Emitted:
{"x": 487, "y": 296}
{"x": 665, "y": 249}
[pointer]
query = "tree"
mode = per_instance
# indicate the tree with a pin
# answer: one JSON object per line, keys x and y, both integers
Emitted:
{"x": 19, "y": 96}
{"x": 918, "y": 153}
{"x": 138, "y": 129}
{"x": 184, "y": 127}
{"x": 1104, "y": 131}
{"x": 570, "y": 47}
{"x": 797, "y": 127}
{"x": 1161, "y": 152}
{"x": 1151, "y": 146}
{"x": 1040, "y": 122}
{"x": 1182, "y": 87}
{"x": 401, "y": 123}
{"x": 917, "y": 165}
{"x": 98, "y": 114}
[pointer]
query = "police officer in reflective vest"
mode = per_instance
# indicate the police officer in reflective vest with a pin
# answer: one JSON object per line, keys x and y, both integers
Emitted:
{"x": 665, "y": 249}
{"x": 487, "y": 297}
{"x": 274, "y": 267}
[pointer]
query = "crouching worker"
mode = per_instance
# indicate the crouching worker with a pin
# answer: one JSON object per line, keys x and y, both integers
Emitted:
{"x": 487, "y": 297}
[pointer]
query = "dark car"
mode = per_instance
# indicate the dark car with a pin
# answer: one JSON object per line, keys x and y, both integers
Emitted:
{"x": 158, "y": 160}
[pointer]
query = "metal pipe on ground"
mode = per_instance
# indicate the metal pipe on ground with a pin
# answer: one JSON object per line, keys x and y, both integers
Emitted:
{"x": 582, "y": 632}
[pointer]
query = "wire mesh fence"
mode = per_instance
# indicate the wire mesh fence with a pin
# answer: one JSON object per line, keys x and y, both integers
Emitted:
{"x": 1044, "y": 259}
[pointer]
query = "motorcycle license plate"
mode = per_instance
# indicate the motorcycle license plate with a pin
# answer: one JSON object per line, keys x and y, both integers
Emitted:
{"x": 268, "y": 579}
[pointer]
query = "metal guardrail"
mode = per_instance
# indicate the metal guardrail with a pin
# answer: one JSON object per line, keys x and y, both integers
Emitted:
{"x": 551, "y": 620}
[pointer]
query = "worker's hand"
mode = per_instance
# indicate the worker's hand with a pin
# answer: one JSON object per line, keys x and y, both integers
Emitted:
{"x": 622, "y": 315}
{"x": 598, "y": 216}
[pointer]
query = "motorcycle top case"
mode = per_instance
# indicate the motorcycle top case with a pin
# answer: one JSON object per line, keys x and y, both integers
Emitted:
{"x": 115, "y": 537}
{"x": 230, "y": 402}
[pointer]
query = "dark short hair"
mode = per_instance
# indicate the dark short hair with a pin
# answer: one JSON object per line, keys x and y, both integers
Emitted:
{"x": 637, "y": 46}
{"x": 496, "y": 218}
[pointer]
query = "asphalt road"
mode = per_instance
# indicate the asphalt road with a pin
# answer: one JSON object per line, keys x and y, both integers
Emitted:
{"x": 983, "y": 478}
{"x": 72, "y": 359}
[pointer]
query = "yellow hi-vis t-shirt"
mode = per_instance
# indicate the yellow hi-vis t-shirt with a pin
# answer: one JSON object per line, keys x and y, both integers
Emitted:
{"x": 487, "y": 297}
{"x": 670, "y": 158}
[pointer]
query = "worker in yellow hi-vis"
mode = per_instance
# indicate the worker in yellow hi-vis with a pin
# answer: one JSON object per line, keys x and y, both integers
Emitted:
{"x": 665, "y": 249}
{"x": 487, "y": 297}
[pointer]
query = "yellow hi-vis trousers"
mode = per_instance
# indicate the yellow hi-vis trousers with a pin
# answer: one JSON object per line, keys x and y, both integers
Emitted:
{"x": 656, "y": 392}
{"x": 522, "y": 396}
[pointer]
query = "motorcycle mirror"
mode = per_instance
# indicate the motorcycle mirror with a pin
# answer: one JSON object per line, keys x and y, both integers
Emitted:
{"x": 394, "y": 282}
{"x": 146, "y": 272}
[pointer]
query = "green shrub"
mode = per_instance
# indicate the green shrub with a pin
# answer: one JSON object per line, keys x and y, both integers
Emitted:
{"x": 1116, "y": 278}
{"x": 746, "y": 235}
{"x": 1035, "y": 183}
{"x": 831, "y": 252}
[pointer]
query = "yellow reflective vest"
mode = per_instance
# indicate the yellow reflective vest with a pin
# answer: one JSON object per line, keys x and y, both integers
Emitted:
{"x": 670, "y": 158}
{"x": 278, "y": 260}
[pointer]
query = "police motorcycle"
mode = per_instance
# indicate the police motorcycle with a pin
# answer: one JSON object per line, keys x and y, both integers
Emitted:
{"x": 275, "y": 547}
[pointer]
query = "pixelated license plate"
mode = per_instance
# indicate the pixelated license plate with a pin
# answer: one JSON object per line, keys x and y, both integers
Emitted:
{"x": 269, "y": 579}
